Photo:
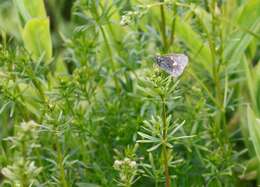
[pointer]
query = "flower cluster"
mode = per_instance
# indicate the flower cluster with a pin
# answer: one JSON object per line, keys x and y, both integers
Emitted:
{"x": 134, "y": 15}
{"x": 14, "y": 173}
{"x": 22, "y": 170}
{"x": 127, "y": 169}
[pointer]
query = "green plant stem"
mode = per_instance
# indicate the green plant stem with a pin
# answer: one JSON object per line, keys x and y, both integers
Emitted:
{"x": 221, "y": 117}
{"x": 42, "y": 95}
{"x": 25, "y": 182}
{"x": 214, "y": 53}
{"x": 215, "y": 68}
{"x": 17, "y": 90}
{"x": 110, "y": 55}
{"x": 24, "y": 157}
{"x": 206, "y": 3}
{"x": 60, "y": 164}
{"x": 173, "y": 24}
{"x": 96, "y": 16}
{"x": 163, "y": 28}
{"x": 212, "y": 46}
{"x": 164, "y": 147}
{"x": 128, "y": 183}
{"x": 39, "y": 89}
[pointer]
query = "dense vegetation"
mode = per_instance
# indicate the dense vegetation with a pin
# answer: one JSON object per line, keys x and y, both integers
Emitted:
{"x": 82, "y": 102}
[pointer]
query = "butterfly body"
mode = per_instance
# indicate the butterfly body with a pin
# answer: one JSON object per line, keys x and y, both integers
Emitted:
{"x": 174, "y": 64}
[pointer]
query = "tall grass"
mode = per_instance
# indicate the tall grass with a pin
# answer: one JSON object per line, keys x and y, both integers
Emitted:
{"x": 82, "y": 103}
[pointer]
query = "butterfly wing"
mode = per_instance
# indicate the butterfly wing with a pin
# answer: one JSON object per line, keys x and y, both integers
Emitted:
{"x": 180, "y": 61}
{"x": 173, "y": 64}
{"x": 165, "y": 62}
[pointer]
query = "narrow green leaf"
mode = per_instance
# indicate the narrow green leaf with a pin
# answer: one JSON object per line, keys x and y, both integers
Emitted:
{"x": 250, "y": 83}
{"x": 86, "y": 185}
{"x": 146, "y": 141}
{"x": 37, "y": 38}
{"x": 154, "y": 147}
{"x": 185, "y": 32}
{"x": 254, "y": 130}
{"x": 35, "y": 8}
{"x": 238, "y": 41}
{"x": 22, "y": 10}
{"x": 176, "y": 129}
{"x": 148, "y": 137}
{"x": 30, "y": 9}
{"x": 3, "y": 107}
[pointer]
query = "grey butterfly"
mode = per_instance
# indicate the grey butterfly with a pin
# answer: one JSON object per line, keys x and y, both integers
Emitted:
{"x": 174, "y": 64}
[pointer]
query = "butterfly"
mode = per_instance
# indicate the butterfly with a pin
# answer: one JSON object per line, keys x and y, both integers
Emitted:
{"x": 174, "y": 64}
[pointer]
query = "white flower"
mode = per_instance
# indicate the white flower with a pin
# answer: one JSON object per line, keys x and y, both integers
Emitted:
{"x": 133, "y": 164}
{"x": 117, "y": 164}
{"x": 27, "y": 126}
{"x": 127, "y": 160}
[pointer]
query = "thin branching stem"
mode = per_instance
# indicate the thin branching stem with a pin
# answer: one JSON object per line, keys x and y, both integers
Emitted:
{"x": 109, "y": 50}
{"x": 164, "y": 147}
{"x": 60, "y": 164}
{"x": 163, "y": 28}
{"x": 173, "y": 24}
{"x": 110, "y": 56}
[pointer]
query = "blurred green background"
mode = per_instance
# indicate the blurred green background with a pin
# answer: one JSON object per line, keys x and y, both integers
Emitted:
{"x": 80, "y": 94}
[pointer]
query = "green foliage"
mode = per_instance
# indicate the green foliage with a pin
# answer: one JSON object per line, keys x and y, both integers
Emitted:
{"x": 37, "y": 40}
{"x": 83, "y": 104}
{"x": 30, "y": 9}
{"x": 23, "y": 171}
{"x": 254, "y": 130}
{"x": 36, "y": 28}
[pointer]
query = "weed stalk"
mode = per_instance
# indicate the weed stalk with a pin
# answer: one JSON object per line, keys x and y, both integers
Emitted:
{"x": 163, "y": 28}
{"x": 164, "y": 146}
